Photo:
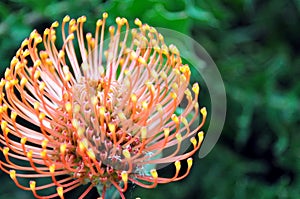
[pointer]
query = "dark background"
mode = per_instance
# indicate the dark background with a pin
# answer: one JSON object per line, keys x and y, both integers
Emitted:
{"x": 255, "y": 45}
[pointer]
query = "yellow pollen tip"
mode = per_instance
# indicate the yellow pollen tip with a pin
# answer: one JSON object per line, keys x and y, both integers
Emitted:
{"x": 119, "y": 21}
{"x": 63, "y": 148}
{"x": 83, "y": 145}
{"x": 14, "y": 82}
{"x": 32, "y": 185}
{"x": 196, "y": 88}
{"x": 46, "y": 31}
{"x": 43, "y": 55}
{"x": 126, "y": 153}
{"x": 142, "y": 61}
{"x": 68, "y": 106}
{"x": 94, "y": 100}
{"x": 3, "y": 125}
{"x": 66, "y": 19}
{"x": 42, "y": 116}
{"x": 29, "y": 154}
{"x": 186, "y": 69}
{"x": 55, "y": 24}
{"x": 124, "y": 176}
{"x": 154, "y": 173}
{"x": 44, "y": 154}
{"x": 44, "y": 143}
{"x": 184, "y": 121}
{"x": 5, "y": 151}
{"x": 111, "y": 29}
{"x": 3, "y": 108}
{"x": 190, "y": 162}
{"x": 38, "y": 39}
{"x": 23, "y": 81}
{"x": 60, "y": 192}
{"x": 75, "y": 123}
{"x": 166, "y": 132}
{"x": 201, "y": 136}
{"x": 53, "y": 37}
{"x": 133, "y": 98}
{"x": 23, "y": 140}
{"x": 33, "y": 34}
{"x": 177, "y": 165}
{"x": 81, "y": 19}
{"x": 67, "y": 77}
{"x": 6, "y": 131}
{"x": 153, "y": 30}
{"x": 71, "y": 36}
{"x": 173, "y": 95}
{"x": 18, "y": 66}
{"x": 144, "y": 132}
{"x": 175, "y": 119}
{"x": 80, "y": 131}
{"x": 65, "y": 68}
{"x": 188, "y": 93}
{"x": 176, "y": 71}
{"x": 102, "y": 110}
{"x": 12, "y": 174}
{"x": 61, "y": 54}
{"x": 72, "y": 28}
{"x": 203, "y": 112}
{"x": 137, "y": 22}
{"x": 99, "y": 22}
{"x": 178, "y": 137}
{"x": 36, "y": 105}
{"x": 88, "y": 36}
{"x": 24, "y": 43}
{"x": 2, "y": 83}
{"x": 133, "y": 55}
{"x": 145, "y": 105}
{"x": 36, "y": 75}
{"x": 14, "y": 60}
{"x": 13, "y": 115}
{"x": 104, "y": 15}
{"x": 124, "y": 20}
{"x": 7, "y": 73}
{"x": 111, "y": 127}
{"x": 196, "y": 106}
{"x": 52, "y": 168}
{"x": 72, "y": 23}
{"x": 164, "y": 50}
{"x": 7, "y": 85}
{"x": 91, "y": 154}
{"x": 174, "y": 49}
{"x": 42, "y": 86}
{"x": 175, "y": 86}
{"x": 193, "y": 141}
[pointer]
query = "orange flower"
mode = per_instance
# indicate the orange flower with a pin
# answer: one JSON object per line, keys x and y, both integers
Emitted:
{"x": 102, "y": 115}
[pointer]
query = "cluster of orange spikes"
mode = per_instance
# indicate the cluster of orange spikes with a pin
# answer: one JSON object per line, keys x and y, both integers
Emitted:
{"x": 105, "y": 117}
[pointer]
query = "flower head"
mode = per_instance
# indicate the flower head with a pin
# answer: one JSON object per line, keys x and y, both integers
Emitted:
{"x": 91, "y": 113}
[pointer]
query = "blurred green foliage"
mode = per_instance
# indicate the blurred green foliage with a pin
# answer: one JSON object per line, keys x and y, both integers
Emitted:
{"x": 256, "y": 47}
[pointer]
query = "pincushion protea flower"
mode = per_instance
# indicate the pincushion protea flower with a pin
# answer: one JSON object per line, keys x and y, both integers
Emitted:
{"x": 100, "y": 115}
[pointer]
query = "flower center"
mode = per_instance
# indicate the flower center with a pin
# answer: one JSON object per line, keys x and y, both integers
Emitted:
{"x": 103, "y": 146}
